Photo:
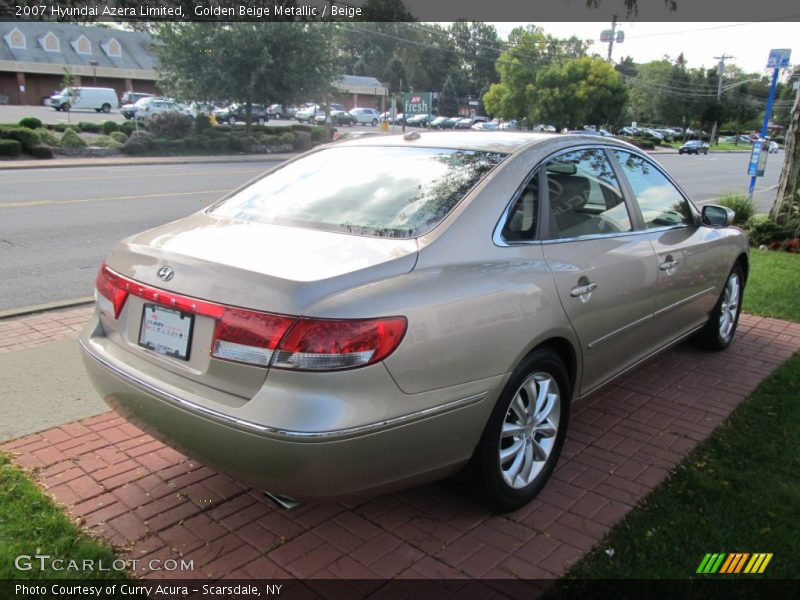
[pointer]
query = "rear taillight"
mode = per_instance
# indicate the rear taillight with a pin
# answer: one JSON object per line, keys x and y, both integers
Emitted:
{"x": 249, "y": 336}
{"x": 111, "y": 291}
{"x": 329, "y": 344}
{"x": 267, "y": 339}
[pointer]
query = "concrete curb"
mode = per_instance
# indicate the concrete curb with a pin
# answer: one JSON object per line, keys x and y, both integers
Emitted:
{"x": 47, "y": 306}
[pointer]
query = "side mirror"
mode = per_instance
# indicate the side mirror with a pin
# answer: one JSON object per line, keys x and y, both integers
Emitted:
{"x": 713, "y": 215}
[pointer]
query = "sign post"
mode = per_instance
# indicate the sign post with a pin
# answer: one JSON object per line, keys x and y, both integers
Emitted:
{"x": 778, "y": 59}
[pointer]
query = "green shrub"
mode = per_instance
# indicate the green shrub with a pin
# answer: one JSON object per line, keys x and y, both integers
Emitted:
{"x": 119, "y": 136}
{"x": 30, "y": 122}
{"x": 138, "y": 144}
{"x": 740, "y": 204}
{"x": 170, "y": 125}
{"x": 10, "y": 148}
{"x": 237, "y": 143}
{"x": 195, "y": 143}
{"x": 70, "y": 139}
{"x": 320, "y": 133}
{"x": 45, "y": 137}
{"x": 89, "y": 127}
{"x": 201, "y": 123}
{"x": 764, "y": 231}
{"x": 289, "y": 137}
{"x": 110, "y": 127}
{"x": 128, "y": 127}
{"x": 218, "y": 145}
{"x": 26, "y": 137}
{"x": 302, "y": 140}
{"x": 273, "y": 140}
{"x": 215, "y": 133}
{"x": 106, "y": 141}
{"x": 41, "y": 151}
{"x": 59, "y": 127}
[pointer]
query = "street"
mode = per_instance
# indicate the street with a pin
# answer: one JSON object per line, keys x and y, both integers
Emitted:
{"x": 57, "y": 225}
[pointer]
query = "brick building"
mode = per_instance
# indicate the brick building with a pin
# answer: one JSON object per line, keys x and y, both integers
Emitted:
{"x": 34, "y": 56}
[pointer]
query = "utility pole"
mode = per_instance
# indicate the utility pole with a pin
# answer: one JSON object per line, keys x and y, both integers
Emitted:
{"x": 720, "y": 74}
{"x": 611, "y": 39}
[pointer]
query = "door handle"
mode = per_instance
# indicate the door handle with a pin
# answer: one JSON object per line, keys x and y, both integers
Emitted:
{"x": 583, "y": 290}
{"x": 669, "y": 265}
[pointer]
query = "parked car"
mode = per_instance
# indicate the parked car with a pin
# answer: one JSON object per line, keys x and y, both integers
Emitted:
{"x": 366, "y": 116}
{"x": 133, "y": 97}
{"x": 236, "y": 112}
{"x": 310, "y": 112}
{"x": 331, "y": 330}
{"x": 128, "y": 110}
{"x": 440, "y": 122}
{"x": 419, "y": 120}
{"x": 397, "y": 119}
{"x": 147, "y": 107}
{"x": 94, "y": 98}
{"x": 694, "y": 147}
{"x": 545, "y": 128}
{"x": 484, "y": 126}
{"x": 279, "y": 111}
{"x": 337, "y": 117}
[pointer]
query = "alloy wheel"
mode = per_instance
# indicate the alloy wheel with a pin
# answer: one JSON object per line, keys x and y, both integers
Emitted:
{"x": 729, "y": 307}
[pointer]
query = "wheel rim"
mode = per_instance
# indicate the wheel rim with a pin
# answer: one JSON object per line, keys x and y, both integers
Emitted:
{"x": 729, "y": 307}
{"x": 529, "y": 430}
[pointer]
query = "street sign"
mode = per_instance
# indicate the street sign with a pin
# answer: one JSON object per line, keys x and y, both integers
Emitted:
{"x": 779, "y": 58}
{"x": 417, "y": 103}
{"x": 606, "y": 35}
{"x": 620, "y": 37}
{"x": 758, "y": 159}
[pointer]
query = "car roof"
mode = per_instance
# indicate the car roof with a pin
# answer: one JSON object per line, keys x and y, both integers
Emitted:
{"x": 503, "y": 141}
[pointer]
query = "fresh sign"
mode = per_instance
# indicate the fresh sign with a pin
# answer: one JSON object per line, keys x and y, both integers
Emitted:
{"x": 417, "y": 103}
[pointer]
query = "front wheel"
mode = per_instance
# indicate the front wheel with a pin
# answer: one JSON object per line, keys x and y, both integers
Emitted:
{"x": 721, "y": 325}
{"x": 65, "y": 107}
{"x": 374, "y": 122}
{"x": 525, "y": 433}
{"x": 232, "y": 121}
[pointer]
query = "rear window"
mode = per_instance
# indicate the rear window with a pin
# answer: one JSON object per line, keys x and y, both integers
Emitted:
{"x": 399, "y": 192}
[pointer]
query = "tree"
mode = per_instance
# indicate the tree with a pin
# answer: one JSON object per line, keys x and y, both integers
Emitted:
{"x": 247, "y": 62}
{"x": 787, "y": 204}
{"x": 448, "y": 99}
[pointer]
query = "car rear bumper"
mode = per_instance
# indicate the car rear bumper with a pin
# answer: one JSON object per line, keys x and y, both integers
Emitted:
{"x": 418, "y": 447}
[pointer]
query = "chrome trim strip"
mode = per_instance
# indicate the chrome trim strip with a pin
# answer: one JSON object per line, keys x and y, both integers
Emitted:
{"x": 284, "y": 433}
{"x": 681, "y": 302}
{"x": 608, "y": 336}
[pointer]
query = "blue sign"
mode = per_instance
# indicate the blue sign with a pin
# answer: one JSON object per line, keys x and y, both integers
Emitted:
{"x": 758, "y": 159}
{"x": 779, "y": 59}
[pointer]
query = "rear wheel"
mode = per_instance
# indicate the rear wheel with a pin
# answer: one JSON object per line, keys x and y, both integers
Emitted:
{"x": 718, "y": 331}
{"x": 525, "y": 433}
{"x": 106, "y": 108}
{"x": 232, "y": 121}
{"x": 261, "y": 120}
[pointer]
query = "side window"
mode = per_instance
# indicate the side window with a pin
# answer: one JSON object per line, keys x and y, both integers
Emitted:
{"x": 584, "y": 195}
{"x": 662, "y": 205}
{"x": 521, "y": 222}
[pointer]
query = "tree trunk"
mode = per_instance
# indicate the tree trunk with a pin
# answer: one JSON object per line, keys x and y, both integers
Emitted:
{"x": 788, "y": 200}
{"x": 248, "y": 116}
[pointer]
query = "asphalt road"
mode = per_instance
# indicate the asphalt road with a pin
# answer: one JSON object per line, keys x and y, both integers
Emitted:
{"x": 56, "y": 225}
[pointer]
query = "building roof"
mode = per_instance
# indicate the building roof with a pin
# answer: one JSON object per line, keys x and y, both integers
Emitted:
{"x": 134, "y": 46}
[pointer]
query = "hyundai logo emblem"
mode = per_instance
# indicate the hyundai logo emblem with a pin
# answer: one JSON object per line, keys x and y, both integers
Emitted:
{"x": 166, "y": 273}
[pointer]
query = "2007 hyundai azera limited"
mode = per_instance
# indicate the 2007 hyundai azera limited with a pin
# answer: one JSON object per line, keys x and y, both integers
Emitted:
{"x": 390, "y": 310}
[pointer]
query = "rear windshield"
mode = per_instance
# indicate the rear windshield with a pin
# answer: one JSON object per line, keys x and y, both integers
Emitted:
{"x": 379, "y": 191}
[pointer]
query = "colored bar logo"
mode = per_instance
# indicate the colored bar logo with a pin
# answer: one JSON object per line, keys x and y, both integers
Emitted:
{"x": 734, "y": 563}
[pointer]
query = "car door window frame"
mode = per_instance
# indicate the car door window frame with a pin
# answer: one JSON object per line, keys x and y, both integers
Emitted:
{"x": 497, "y": 237}
{"x": 634, "y": 201}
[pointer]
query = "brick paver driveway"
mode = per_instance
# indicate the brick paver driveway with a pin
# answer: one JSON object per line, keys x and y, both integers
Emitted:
{"x": 152, "y": 502}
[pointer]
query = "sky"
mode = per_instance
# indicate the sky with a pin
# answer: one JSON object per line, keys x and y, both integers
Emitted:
{"x": 749, "y": 43}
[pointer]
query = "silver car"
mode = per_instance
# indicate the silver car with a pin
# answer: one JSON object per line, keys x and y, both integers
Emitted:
{"x": 329, "y": 330}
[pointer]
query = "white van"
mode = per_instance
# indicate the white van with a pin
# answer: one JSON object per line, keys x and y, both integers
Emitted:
{"x": 100, "y": 99}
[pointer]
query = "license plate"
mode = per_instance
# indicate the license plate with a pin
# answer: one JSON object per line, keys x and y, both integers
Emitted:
{"x": 166, "y": 331}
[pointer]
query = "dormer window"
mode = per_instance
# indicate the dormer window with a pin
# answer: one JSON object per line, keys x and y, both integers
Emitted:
{"x": 112, "y": 48}
{"x": 15, "y": 39}
{"x": 50, "y": 42}
{"x": 82, "y": 45}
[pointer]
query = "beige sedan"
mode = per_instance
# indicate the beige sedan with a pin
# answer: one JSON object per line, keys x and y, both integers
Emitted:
{"x": 393, "y": 310}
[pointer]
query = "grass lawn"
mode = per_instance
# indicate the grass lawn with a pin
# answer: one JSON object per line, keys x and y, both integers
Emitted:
{"x": 739, "y": 491}
{"x": 31, "y": 523}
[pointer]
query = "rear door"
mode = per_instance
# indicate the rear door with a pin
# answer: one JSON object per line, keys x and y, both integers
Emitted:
{"x": 689, "y": 256}
{"x": 605, "y": 271}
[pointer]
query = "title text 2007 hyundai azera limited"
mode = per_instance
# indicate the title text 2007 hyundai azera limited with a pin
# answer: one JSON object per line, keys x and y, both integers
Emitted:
{"x": 391, "y": 310}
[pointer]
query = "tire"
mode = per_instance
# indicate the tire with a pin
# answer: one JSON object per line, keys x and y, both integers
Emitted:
{"x": 231, "y": 121}
{"x": 65, "y": 107}
{"x": 106, "y": 108}
{"x": 374, "y": 122}
{"x": 718, "y": 332}
{"x": 516, "y": 454}
{"x": 260, "y": 120}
